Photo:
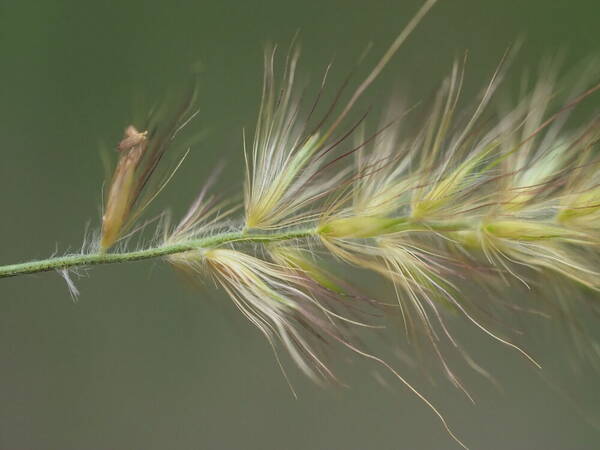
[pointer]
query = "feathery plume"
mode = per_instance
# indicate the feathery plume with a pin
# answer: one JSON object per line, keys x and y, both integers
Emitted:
{"x": 476, "y": 198}
{"x": 285, "y": 170}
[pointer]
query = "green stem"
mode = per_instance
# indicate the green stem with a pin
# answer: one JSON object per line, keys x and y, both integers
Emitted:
{"x": 65, "y": 262}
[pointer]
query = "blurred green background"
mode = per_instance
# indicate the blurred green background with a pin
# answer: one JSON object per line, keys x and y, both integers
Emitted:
{"x": 142, "y": 361}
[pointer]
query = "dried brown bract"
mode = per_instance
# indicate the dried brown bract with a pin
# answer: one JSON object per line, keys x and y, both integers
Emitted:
{"x": 120, "y": 197}
{"x": 140, "y": 153}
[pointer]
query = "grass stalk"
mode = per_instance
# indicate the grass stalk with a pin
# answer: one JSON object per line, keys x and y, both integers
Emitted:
{"x": 81, "y": 260}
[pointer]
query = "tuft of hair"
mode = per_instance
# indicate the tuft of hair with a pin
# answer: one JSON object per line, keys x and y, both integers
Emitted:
{"x": 73, "y": 291}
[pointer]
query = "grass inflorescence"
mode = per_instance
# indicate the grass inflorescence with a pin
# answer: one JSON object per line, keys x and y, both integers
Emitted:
{"x": 485, "y": 196}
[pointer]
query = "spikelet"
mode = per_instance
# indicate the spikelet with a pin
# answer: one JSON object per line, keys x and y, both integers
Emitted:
{"x": 280, "y": 154}
{"x": 132, "y": 187}
{"x": 120, "y": 196}
{"x": 283, "y": 304}
{"x": 291, "y": 166}
{"x": 206, "y": 214}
